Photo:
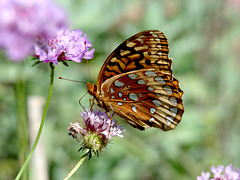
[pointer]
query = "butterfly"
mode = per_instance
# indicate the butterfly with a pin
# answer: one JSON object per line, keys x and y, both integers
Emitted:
{"x": 136, "y": 83}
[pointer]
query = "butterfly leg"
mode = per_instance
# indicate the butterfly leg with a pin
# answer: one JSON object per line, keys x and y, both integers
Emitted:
{"x": 92, "y": 102}
{"x": 81, "y": 99}
{"x": 110, "y": 124}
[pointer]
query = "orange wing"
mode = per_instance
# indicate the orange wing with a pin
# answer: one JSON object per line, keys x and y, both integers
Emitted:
{"x": 147, "y": 49}
{"x": 144, "y": 98}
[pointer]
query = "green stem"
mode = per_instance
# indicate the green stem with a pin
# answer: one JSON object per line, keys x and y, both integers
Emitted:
{"x": 41, "y": 125}
{"x": 23, "y": 136}
{"x": 76, "y": 166}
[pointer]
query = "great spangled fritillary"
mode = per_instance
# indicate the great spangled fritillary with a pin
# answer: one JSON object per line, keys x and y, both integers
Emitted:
{"x": 136, "y": 82}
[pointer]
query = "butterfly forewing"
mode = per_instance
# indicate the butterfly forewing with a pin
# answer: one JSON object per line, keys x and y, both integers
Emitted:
{"x": 144, "y": 98}
{"x": 147, "y": 49}
{"x": 136, "y": 83}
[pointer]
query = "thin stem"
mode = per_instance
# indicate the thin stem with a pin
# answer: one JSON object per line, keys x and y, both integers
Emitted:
{"x": 41, "y": 125}
{"x": 23, "y": 136}
{"x": 83, "y": 157}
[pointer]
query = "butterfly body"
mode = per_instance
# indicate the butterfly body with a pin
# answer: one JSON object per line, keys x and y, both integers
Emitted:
{"x": 136, "y": 83}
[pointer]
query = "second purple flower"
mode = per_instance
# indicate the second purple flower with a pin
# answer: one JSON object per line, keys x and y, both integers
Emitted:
{"x": 66, "y": 46}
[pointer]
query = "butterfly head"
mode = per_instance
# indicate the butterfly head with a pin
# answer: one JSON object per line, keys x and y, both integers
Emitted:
{"x": 92, "y": 89}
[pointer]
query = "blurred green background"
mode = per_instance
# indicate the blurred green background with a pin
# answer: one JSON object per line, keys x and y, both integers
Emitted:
{"x": 204, "y": 40}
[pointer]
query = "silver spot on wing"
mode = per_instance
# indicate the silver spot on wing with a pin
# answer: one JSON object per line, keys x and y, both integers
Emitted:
{"x": 160, "y": 80}
{"x": 150, "y": 73}
{"x": 150, "y": 88}
{"x": 120, "y": 94}
{"x": 134, "y": 109}
{"x": 170, "y": 119}
{"x": 152, "y": 110}
{"x": 117, "y": 83}
{"x": 168, "y": 89}
{"x": 152, "y": 119}
{"x": 133, "y": 96}
{"x": 111, "y": 90}
{"x": 141, "y": 81}
{"x": 174, "y": 111}
{"x": 156, "y": 102}
{"x": 173, "y": 100}
{"x": 120, "y": 103}
{"x": 132, "y": 76}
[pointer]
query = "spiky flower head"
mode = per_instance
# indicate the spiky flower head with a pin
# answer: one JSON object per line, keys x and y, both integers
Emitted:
{"x": 96, "y": 132}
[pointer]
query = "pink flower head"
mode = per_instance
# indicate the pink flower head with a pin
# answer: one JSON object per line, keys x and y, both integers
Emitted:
{"x": 217, "y": 171}
{"x": 221, "y": 173}
{"x": 23, "y": 22}
{"x": 66, "y": 46}
{"x": 232, "y": 173}
{"x": 205, "y": 176}
{"x": 96, "y": 132}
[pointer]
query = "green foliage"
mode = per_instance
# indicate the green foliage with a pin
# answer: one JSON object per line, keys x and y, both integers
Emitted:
{"x": 204, "y": 43}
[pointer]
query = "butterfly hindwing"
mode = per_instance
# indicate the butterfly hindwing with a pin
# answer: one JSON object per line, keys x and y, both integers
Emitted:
{"x": 144, "y": 98}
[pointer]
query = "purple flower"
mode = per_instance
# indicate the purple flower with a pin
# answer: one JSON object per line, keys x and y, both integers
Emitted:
{"x": 205, "y": 176}
{"x": 98, "y": 129}
{"x": 230, "y": 173}
{"x": 66, "y": 46}
{"x": 217, "y": 171}
{"x": 221, "y": 173}
{"x": 23, "y": 22}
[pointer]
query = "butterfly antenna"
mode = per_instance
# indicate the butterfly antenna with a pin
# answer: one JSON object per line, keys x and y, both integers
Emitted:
{"x": 82, "y": 96}
{"x": 85, "y": 43}
{"x": 71, "y": 80}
